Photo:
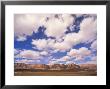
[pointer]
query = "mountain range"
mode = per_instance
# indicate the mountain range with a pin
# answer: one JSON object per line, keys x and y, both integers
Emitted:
{"x": 86, "y": 67}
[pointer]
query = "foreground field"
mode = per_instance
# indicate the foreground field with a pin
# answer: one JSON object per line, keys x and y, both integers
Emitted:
{"x": 58, "y": 73}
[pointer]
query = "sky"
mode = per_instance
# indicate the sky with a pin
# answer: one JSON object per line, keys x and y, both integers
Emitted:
{"x": 55, "y": 38}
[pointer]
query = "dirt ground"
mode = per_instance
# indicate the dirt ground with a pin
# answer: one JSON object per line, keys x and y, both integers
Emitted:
{"x": 58, "y": 73}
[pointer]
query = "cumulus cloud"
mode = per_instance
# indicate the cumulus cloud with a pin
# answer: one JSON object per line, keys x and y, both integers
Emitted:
{"x": 44, "y": 53}
{"x": 88, "y": 29}
{"x": 43, "y": 44}
{"x": 66, "y": 58}
{"x": 26, "y": 24}
{"x": 94, "y": 45}
{"x": 79, "y": 53}
{"x": 61, "y": 60}
{"x": 51, "y": 62}
{"x": 40, "y": 44}
{"x": 21, "y": 38}
{"x": 51, "y": 43}
{"x": 29, "y": 54}
{"x": 56, "y": 26}
{"x": 61, "y": 46}
{"x": 84, "y": 51}
{"x": 69, "y": 41}
{"x": 73, "y": 52}
{"x": 86, "y": 34}
{"x": 72, "y": 39}
{"x": 26, "y": 61}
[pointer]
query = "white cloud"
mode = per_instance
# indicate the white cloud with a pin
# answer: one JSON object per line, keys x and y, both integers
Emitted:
{"x": 73, "y": 52}
{"x": 84, "y": 51}
{"x": 61, "y": 46}
{"x": 80, "y": 53}
{"x": 44, "y": 53}
{"x": 29, "y": 54}
{"x": 69, "y": 62}
{"x": 24, "y": 61}
{"x": 79, "y": 58}
{"x": 61, "y": 60}
{"x": 21, "y": 38}
{"x": 94, "y": 45}
{"x": 26, "y": 24}
{"x": 53, "y": 62}
{"x": 40, "y": 44}
{"x": 88, "y": 29}
{"x": 54, "y": 51}
{"x": 65, "y": 58}
{"x": 87, "y": 24}
{"x": 43, "y": 44}
{"x": 16, "y": 51}
{"x": 72, "y": 39}
{"x": 86, "y": 34}
{"x": 56, "y": 27}
{"x": 51, "y": 43}
{"x": 50, "y": 57}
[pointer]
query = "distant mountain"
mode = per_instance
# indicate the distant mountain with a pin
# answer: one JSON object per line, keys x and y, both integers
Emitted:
{"x": 63, "y": 67}
{"x": 39, "y": 66}
{"x": 21, "y": 66}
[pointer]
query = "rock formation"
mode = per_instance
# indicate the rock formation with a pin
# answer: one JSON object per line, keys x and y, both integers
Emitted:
{"x": 72, "y": 66}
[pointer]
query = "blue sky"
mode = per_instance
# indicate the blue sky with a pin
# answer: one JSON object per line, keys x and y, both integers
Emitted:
{"x": 55, "y": 38}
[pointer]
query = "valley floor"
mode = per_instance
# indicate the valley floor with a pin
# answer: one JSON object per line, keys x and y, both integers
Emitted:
{"x": 54, "y": 73}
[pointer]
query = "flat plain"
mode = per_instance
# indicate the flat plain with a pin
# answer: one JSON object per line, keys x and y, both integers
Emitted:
{"x": 54, "y": 73}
